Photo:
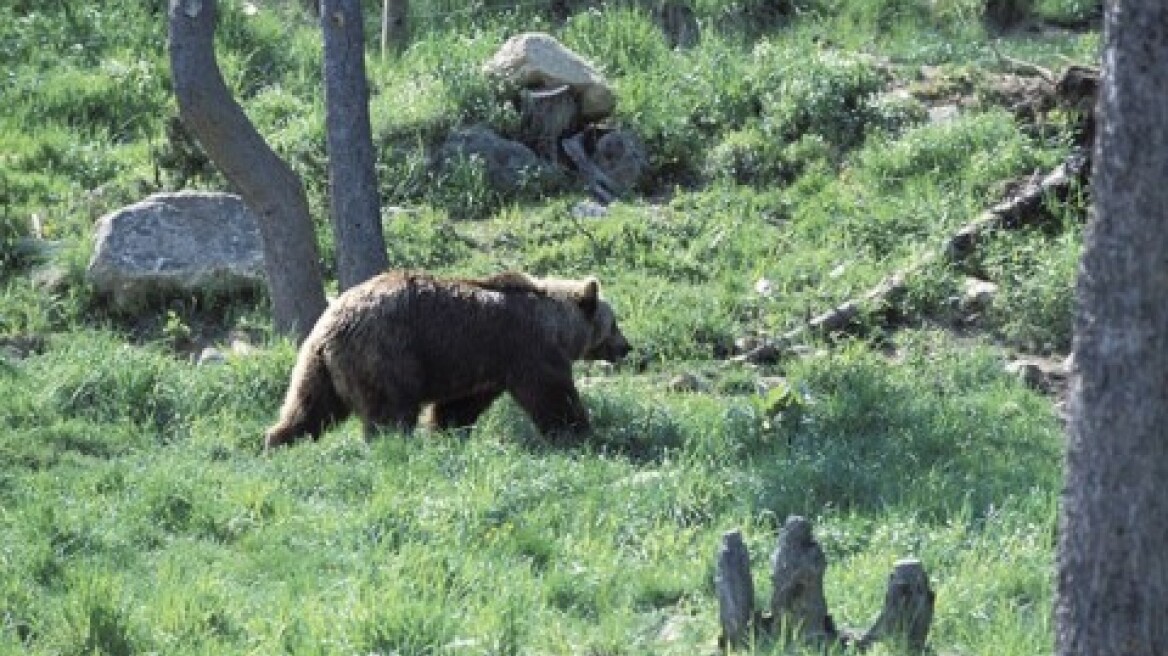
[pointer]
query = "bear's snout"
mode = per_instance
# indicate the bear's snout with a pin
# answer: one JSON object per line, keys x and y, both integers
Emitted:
{"x": 613, "y": 350}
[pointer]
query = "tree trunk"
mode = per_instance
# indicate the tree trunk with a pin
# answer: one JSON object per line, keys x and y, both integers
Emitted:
{"x": 269, "y": 187}
{"x": 1112, "y": 591}
{"x": 395, "y": 26}
{"x": 356, "y": 209}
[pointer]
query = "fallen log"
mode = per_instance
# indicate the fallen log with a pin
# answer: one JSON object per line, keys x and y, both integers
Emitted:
{"x": 1022, "y": 210}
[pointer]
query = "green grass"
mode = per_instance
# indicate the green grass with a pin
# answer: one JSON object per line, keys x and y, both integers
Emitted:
{"x": 141, "y": 516}
{"x": 138, "y": 513}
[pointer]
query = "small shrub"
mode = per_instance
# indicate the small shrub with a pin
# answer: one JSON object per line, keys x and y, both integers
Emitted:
{"x": 983, "y": 149}
{"x": 753, "y": 157}
{"x": 1036, "y": 277}
{"x": 425, "y": 239}
{"x": 463, "y": 188}
{"x": 1071, "y": 11}
{"x": 119, "y": 98}
{"x": 709, "y": 92}
{"x": 830, "y": 94}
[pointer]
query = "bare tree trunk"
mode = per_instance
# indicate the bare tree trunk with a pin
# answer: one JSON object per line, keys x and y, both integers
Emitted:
{"x": 1112, "y": 594}
{"x": 395, "y": 26}
{"x": 356, "y": 209}
{"x": 269, "y": 187}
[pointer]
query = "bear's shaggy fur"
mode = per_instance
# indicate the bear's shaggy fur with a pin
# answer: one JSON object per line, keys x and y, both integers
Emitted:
{"x": 404, "y": 340}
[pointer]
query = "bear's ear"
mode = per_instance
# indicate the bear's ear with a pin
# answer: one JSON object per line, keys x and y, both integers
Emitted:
{"x": 589, "y": 295}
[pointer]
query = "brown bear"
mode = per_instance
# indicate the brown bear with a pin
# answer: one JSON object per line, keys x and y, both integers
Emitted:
{"x": 404, "y": 340}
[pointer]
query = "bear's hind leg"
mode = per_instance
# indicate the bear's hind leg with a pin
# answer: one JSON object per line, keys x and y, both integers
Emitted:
{"x": 462, "y": 412}
{"x": 390, "y": 407}
{"x": 383, "y": 392}
{"x": 400, "y": 417}
{"x": 311, "y": 407}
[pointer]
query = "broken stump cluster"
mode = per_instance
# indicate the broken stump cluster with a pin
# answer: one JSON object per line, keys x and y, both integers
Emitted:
{"x": 798, "y": 607}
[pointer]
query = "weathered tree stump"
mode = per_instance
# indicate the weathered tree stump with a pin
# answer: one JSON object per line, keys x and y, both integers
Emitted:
{"x": 797, "y": 568}
{"x": 546, "y": 115}
{"x": 798, "y": 605}
{"x": 908, "y": 608}
{"x": 735, "y": 590}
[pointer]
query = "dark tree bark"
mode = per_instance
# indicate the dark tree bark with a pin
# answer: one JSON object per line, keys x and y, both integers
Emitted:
{"x": 395, "y": 26}
{"x": 269, "y": 187}
{"x": 356, "y": 209}
{"x": 1112, "y": 591}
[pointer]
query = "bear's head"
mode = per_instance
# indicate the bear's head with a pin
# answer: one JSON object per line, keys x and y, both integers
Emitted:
{"x": 606, "y": 342}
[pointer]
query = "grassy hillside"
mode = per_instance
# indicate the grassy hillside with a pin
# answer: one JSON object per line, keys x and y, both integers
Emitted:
{"x": 793, "y": 145}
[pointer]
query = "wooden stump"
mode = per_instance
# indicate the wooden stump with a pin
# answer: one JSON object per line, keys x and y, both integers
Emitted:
{"x": 798, "y": 565}
{"x": 678, "y": 23}
{"x": 798, "y": 605}
{"x": 598, "y": 183}
{"x": 546, "y": 115}
{"x": 908, "y": 608}
{"x": 735, "y": 590}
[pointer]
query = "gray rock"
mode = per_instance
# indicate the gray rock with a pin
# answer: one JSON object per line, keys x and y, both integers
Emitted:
{"x": 1028, "y": 371}
{"x": 977, "y": 295}
{"x": 1042, "y": 374}
{"x": 688, "y": 383}
{"x": 242, "y": 347}
{"x": 537, "y": 60}
{"x": 944, "y": 113}
{"x": 589, "y": 209}
{"x": 211, "y": 355}
{"x": 758, "y": 351}
{"x": 176, "y": 243}
{"x": 510, "y": 166}
{"x": 623, "y": 158}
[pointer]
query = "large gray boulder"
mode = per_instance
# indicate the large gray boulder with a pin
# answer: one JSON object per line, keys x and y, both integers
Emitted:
{"x": 176, "y": 243}
{"x": 534, "y": 60}
{"x": 509, "y": 165}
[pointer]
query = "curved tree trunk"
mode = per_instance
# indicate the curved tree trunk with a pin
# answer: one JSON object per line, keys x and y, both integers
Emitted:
{"x": 356, "y": 209}
{"x": 269, "y": 187}
{"x": 1112, "y": 595}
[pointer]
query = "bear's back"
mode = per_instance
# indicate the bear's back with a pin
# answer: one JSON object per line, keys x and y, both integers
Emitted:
{"x": 496, "y": 319}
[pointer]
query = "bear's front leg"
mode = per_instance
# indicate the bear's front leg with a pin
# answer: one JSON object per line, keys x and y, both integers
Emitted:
{"x": 462, "y": 412}
{"x": 554, "y": 406}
